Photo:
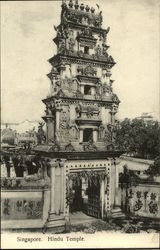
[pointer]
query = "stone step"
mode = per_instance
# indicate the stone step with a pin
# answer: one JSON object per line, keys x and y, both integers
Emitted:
{"x": 116, "y": 216}
{"x": 115, "y": 210}
{"x": 117, "y": 213}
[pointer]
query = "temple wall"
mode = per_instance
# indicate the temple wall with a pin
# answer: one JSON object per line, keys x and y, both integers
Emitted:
{"x": 144, "y": 200}
{"x": 24, "y": 208}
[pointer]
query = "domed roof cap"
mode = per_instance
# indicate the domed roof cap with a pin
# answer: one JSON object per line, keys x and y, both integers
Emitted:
{"x": 8, "y": 136}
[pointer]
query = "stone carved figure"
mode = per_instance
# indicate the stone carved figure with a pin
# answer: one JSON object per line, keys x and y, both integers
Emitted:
{"x": 89, "y": 146}
{"x": 115, "y": 98}
{"x": 107, "y": 135}
{"x": 71, "y": 44}
{"x": 87, "y": 32}
{"x": 69, "y": 148}
{"x": 74, "y": 132}
{"x": 104, "y": 50}
{"x": 48, "y": 110}
{"x": 80, "y": 69}
{"x": 55, "y": 145}
{"x": 78, "y": 110}
{"x": 110, "y": 59}
{"x": 89, "y": 112}
{"x": 41, "y": 134}
{"x": 99, "y": 20}
{"x": 89, "y": 70}
{"x": 98, "y": 50}
{"x": 62, "y": 47}
{"x": 107, "y": 89}
{"x": 101, "y": 132}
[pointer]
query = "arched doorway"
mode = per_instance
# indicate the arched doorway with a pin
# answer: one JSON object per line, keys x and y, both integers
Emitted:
{"x": 85, "y": 192}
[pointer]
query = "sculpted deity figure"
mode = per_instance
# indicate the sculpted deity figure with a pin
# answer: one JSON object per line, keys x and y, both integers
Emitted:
{"x": 98, "y": 50}
{"x": 41, "y": 134}
{"x": 71, "y": 44}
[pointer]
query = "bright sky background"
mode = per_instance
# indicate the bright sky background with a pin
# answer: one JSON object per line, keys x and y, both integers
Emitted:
{"x": 26, "y": 45}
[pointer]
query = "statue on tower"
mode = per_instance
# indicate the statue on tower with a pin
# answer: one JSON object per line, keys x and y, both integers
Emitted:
{"x": 41, "y": 137}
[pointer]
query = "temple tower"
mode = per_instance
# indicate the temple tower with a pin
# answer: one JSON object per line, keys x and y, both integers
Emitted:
{"x": 81, "y": 107}
{"x": 80, "y": 112}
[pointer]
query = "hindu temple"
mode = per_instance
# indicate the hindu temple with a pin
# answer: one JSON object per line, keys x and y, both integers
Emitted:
{"x": 78, "y": 151}
{"x": 80, "y": 118}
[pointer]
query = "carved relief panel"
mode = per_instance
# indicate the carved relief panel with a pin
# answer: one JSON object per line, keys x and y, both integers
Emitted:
{"x": 88, "y": 70}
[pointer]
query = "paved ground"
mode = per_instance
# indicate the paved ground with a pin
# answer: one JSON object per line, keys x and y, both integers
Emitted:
{"x": 79, "y": 217}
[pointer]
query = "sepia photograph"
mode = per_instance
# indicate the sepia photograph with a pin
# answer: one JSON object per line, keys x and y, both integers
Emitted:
{"x": 80, "y": 124}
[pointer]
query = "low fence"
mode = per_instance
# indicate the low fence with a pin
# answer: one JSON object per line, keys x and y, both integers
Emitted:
{"x": 141, "y": 200}
{"x": 24, "y": 206}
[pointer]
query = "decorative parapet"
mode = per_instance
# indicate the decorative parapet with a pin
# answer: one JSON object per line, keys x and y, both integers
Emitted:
{"x": 89, "y": 111}
{"x": 78, "y": 56}
{"x": 80, "y": 15}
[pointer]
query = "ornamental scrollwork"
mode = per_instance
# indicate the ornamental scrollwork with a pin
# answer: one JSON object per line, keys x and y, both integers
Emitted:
{"x": 90, "y": 176}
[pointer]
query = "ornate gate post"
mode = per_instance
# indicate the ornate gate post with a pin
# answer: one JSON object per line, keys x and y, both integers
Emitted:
{"x": 56, "y": 219}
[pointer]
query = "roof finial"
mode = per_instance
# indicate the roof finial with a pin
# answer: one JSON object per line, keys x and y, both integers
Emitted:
{"x": 76, "y": 4}
{"x": 70, "y": 4}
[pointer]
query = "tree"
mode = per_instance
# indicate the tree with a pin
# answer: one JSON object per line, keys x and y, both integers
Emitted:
{"x": 154, "y": 169}
{"x": 139, "y": 138}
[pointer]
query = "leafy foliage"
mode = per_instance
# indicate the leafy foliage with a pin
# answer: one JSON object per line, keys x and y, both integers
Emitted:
{"x": 139, "y": 138}
{"x": 154, "y": 170}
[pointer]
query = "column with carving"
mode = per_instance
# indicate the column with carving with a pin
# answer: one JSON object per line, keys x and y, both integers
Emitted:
{"x": 56, "y": 217}
{"x": 57, "y": 120}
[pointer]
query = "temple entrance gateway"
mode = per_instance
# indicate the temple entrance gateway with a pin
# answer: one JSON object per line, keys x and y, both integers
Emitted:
{"x": 88, "y": 187}
{"x": 86, "y": 197}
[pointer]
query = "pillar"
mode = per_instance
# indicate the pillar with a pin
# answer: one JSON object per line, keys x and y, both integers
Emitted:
{"x": 57, "y": 119}
{"x": 116, "y": 201}
{"x": 108, "y": 75}
{"x": 81, "y": 135}
{"x": 53, "y": 165}
{"x": 92, "y": 90}
{"x": 50, "y": 128}
{"x": 95, "y": 135}
{"x": 62, "y": 71}
{"x": 82, "y": 89}
{"x": 102, "y": 194}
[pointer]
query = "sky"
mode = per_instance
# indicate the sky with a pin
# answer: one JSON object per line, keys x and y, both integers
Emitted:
{"x": 26, "y": 45}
